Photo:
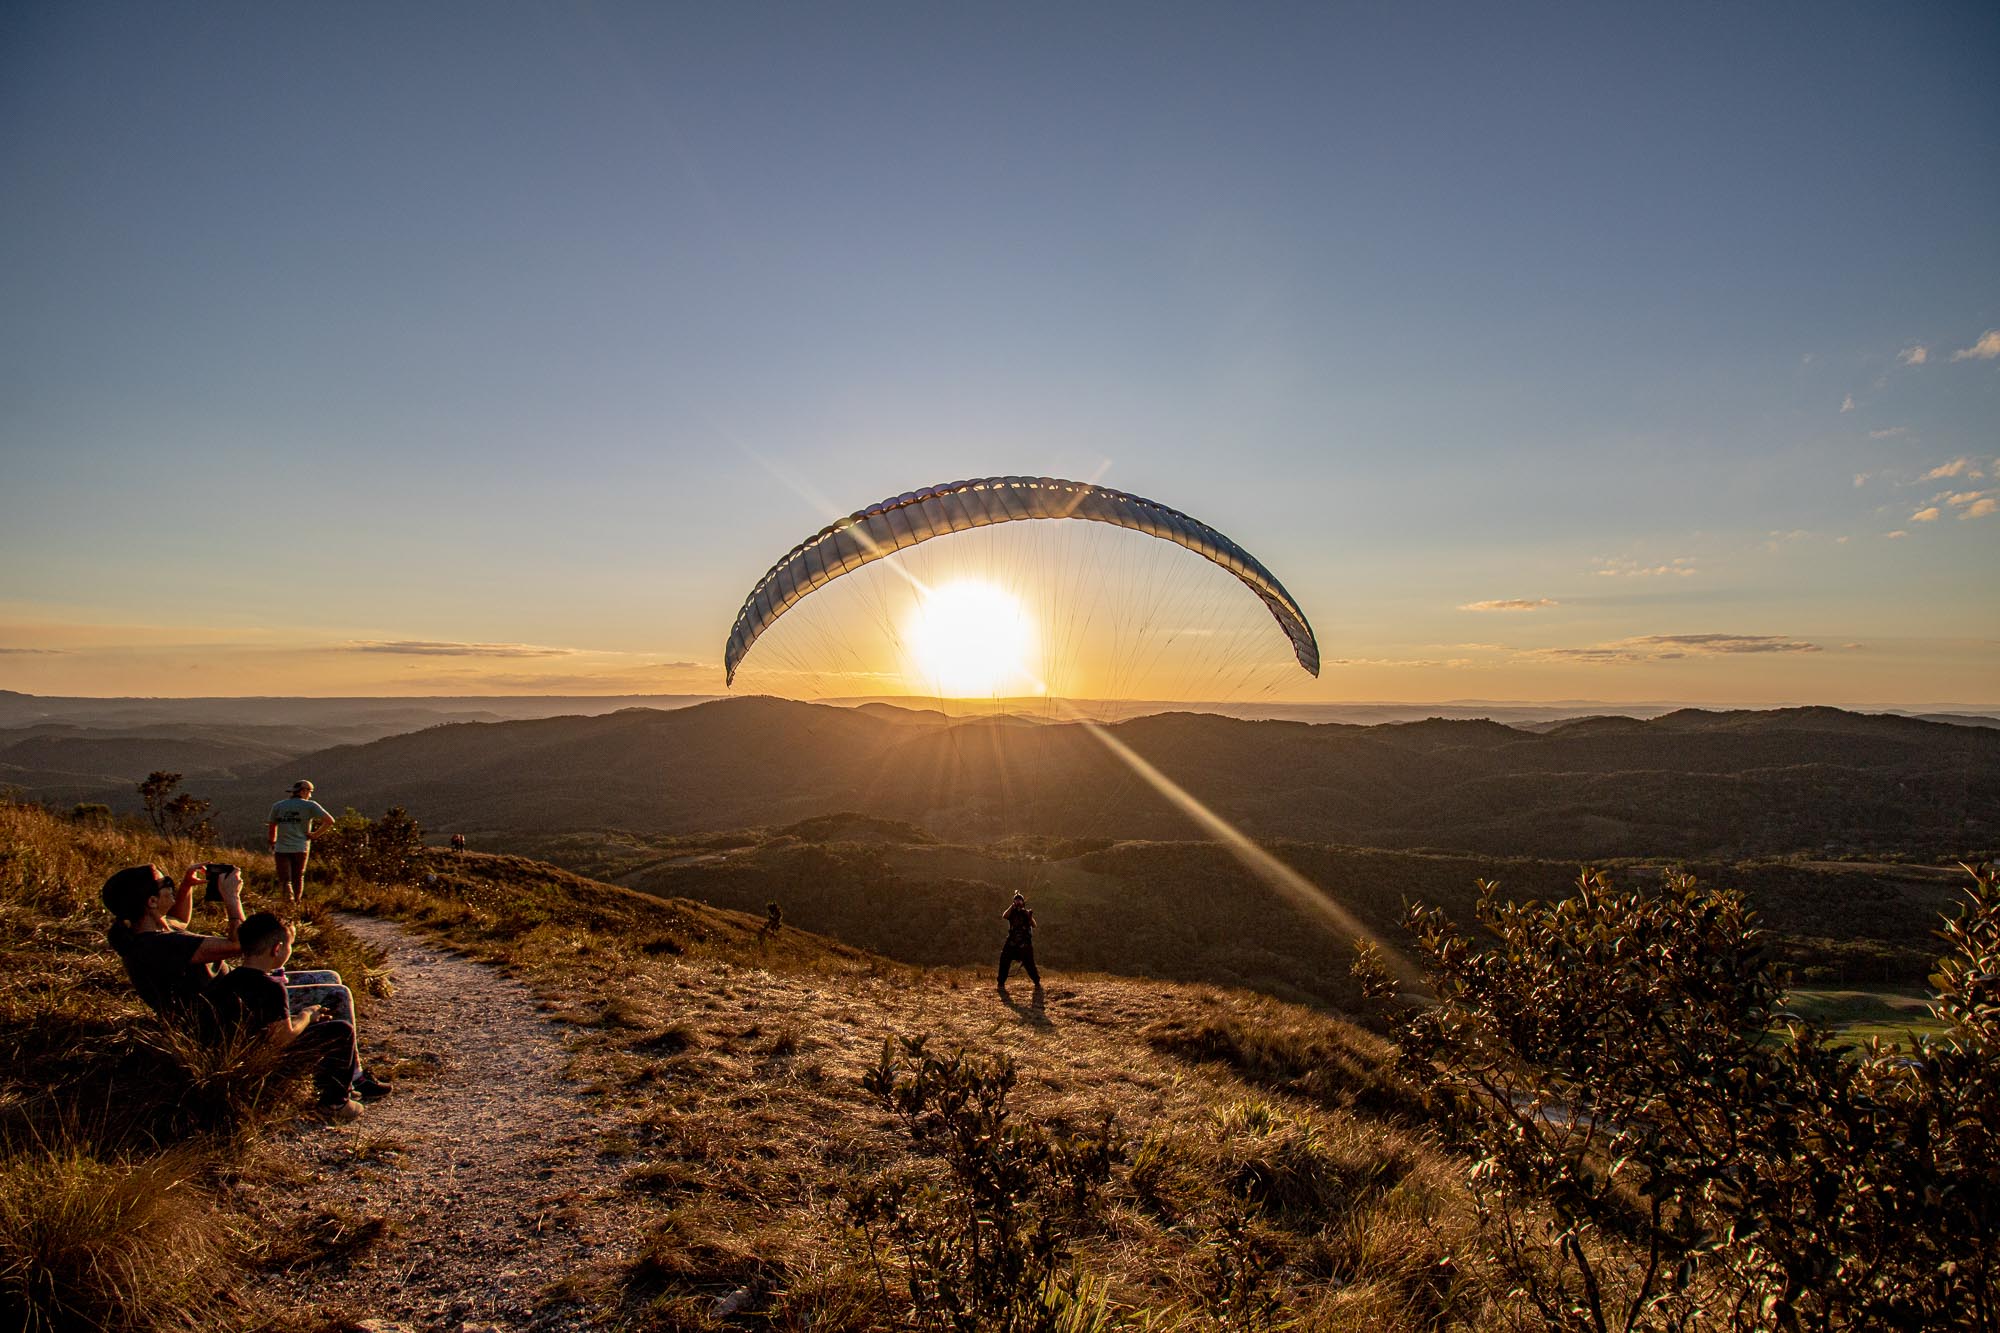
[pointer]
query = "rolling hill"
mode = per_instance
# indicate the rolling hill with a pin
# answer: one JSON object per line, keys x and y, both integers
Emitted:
{"x": 1723, "y": 785}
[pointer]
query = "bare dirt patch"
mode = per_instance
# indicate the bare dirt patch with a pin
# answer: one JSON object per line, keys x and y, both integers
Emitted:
{"x": 465, "y": 1196}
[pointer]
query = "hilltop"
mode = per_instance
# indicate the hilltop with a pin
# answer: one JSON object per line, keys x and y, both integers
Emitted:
{"x": 1250, "y": 1150}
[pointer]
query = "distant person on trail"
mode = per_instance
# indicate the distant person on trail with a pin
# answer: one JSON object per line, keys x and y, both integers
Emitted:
{"x": 1020, "y": 943}
{"x": 169, "y": 964}
{"x": 249, "y": 998}
{"x": 458, "y": 843}
{"x": 295, "y": 822}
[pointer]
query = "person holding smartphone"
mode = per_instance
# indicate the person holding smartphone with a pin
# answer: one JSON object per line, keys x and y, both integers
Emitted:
{"x": 295, "y": 822}
{"x": 169, "y": 964}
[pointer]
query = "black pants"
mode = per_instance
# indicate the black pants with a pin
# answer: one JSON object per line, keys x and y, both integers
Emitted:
{"x": 328, "y": 1048}
{"x": 1025, "y": 953}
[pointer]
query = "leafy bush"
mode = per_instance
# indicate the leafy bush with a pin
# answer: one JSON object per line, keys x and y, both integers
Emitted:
{"x": 385, "y": 851}
{"x": 985, "y": 1246}
{"x": 1657, "y": 1144}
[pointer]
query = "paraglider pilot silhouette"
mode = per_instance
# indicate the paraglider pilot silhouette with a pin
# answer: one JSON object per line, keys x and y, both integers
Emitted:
{"x": 1020, "y": 945}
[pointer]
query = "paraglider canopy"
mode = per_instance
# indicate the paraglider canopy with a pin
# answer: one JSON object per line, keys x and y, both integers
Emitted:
{"x": 906, "y": 520}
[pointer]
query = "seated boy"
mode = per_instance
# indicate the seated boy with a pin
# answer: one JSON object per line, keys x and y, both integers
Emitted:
{"x": 314, "y": 988}
{"x": 248, "y": 998}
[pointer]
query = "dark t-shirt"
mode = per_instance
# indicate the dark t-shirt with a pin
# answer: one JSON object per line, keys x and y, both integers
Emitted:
{"x": 1020, "y": 928}
{"x": 162, "y": 967}
{"x": 244, "y": 999}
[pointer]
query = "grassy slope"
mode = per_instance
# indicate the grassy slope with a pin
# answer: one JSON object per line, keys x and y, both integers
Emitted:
{"x": 736, "y": 1066}
{"x": 1188, "y": 911}
{"x": 733, "y": 1064}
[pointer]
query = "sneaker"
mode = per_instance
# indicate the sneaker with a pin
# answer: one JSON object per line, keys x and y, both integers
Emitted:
{"x": 368, "y": 1087}
{"x": 341, "y": 1111}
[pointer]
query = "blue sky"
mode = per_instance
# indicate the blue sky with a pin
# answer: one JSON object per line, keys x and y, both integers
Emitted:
{"x": 533, "y": 334}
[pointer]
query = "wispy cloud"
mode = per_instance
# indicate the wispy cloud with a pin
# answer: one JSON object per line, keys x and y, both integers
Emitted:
{"x": 1914, "y": 355}
{"x": 1964, "y": 497}
{"x": 1673, "y": 647}
{"x": 1510, "y": 604}
{"x": 1929, "y": 515}
{"x": 1957, "y": 467}
{"x": 1847, "y": 403}
{"x": 1681, "y": 566}
{"x": 1898, "y": 533}
{"x": 1403, "y": 662}
{"x": 36, "y": 652}
{"x": 1986, "y": 349}
{"x": 1861, "y": 479}
{"x": 1980, "y": 508}
{"x": 1888, "y": 432}
{"x": 444, "y": 648}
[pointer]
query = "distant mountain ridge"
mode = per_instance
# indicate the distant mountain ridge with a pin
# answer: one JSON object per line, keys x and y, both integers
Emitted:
{"x": 1689, "y": 783}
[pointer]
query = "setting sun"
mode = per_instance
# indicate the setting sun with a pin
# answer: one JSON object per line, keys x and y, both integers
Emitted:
{"x": 970, "y": 638}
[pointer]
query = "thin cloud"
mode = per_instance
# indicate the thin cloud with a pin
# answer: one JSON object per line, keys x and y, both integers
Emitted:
{"x": 1861, "y": 479}
{"x": 1511, "y": 604}
{"x": 1980, "y": 508}
{"x": 1847, "y": 403}
{"x": 1675, "y": 647}
{"x": 1888, "y": 433}
{"x": 1681, "y": 566}
{"x": 1957, "y": 467}
{"x": 1402, "y": 662}
{"x": 1929, "y": 515}
{"x": 443, "y": 648}
{"x": 1965, "y": 498}
{"x": 1914, "y": 355}
{"x": 37, "y": 652}
{"x": 1986, "y": 349}
{"x": 1898, "y": 533}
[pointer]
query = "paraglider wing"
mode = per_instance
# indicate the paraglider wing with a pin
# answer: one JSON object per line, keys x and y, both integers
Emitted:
{"x": 904, "y": 520}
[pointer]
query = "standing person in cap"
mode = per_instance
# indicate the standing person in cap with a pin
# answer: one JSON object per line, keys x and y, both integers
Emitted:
{"x": 1020, "y": 945}
{"x": 295, "y": 822}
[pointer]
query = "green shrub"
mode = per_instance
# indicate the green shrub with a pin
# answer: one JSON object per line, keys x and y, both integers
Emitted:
{"x": 985, "y": 1245}
{"x": 1657, "y": 1144}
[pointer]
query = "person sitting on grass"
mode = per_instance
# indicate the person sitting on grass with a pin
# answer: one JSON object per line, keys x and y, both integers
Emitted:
{"x": 247, "y": 999}
{"x": 172, "y": 967}
{"x": 169, "y": 964}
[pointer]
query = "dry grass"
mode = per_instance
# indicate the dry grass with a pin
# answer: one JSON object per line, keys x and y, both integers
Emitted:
{"x": 1267, "y": 1160}
{"x": 90, "y": 1243}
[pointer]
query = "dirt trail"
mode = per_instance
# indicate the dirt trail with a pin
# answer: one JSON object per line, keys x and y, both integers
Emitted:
{"x": 483, "y": 1161}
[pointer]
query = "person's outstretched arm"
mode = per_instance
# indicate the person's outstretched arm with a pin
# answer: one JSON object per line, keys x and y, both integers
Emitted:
{"x": 183, "y": 909}
{"x": 215, "y": 948}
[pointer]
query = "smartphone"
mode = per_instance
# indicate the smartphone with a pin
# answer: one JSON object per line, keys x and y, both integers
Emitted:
{"x": 211, "y": 887}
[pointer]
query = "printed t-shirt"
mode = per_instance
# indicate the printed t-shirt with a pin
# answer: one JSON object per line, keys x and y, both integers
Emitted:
{"x": 245, "y": 999}
{"x": 162, "y": 967}
{"x": 293, "y": 816}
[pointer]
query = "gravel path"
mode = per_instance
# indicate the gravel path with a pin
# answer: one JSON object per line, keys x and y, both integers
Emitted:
{"x": 483, "y": 1161}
